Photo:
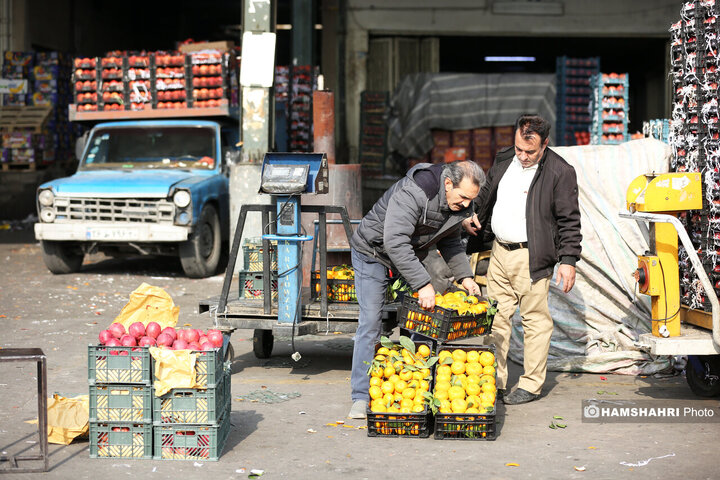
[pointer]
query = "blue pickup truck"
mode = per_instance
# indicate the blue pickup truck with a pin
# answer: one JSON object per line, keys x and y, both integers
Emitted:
{"x": 150, "y": 187}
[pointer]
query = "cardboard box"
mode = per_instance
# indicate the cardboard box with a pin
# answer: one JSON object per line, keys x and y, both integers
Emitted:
{"x": 454, "y": 154}
{"x": 503, "y": 137}
{"x": 441, "y": 138}
{"x": 437, "y": 154}
{"x": 461, "y": 138}
{"x": 482, "y": 136}
{"x": 482, "y": 151}
{"x": 224, "y": 46}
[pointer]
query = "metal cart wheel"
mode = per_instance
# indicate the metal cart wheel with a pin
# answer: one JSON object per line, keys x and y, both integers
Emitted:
{"x": 703, "y": 375}
{"x": 229, "y": 353}
{"x": 262, "y": 343}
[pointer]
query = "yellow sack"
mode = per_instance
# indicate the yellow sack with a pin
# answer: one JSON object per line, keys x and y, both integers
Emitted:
{"x": 173, "y": 369}
{"x": 149, "y": 304}
{"x": 67, "y": 418}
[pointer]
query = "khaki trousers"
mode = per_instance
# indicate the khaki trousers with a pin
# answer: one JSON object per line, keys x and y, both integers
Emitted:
{"x": 509, "y": 283}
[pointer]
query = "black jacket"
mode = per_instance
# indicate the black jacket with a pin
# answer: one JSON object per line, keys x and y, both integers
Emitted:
{"x": 409, "y": 218}
{"x": 552, "y": 212}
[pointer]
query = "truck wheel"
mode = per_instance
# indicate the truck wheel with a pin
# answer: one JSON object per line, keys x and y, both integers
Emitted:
{"x": 200, "y": 255}
{"x": 61, "y": 257}
{"x": 262, "y": 343}
{"x": 703, "y": 375}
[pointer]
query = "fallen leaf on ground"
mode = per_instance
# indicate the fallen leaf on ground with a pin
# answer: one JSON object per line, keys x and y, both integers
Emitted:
{"x": 512, "y": 464}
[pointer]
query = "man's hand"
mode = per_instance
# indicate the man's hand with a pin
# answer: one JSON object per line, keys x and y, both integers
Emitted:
{"x": 566, "y": 276}
{"x": 472, "y": 225}
{"x": 426, "y": 297}
{"x": 470, "y": 285}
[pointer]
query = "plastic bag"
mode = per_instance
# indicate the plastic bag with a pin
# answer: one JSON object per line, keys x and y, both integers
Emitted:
{"x": 173, "y": 369}
{"x": 67, "y": 418}
{"x": 149, "y": 304}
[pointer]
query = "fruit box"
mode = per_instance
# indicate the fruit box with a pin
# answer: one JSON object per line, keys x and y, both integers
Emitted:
{"x": 121, "y": 403}
{"x": 192, "y": 405}
{"x": 208, "y": 367}
{"x": 338, "y": 291}
{"x": 122, "y": 365}
{"x": 464, "y": 426}
{"x": 385, "y": 424}
{"x": 441, "y": 323}
{"x": 191, "y": 442}
{"x": 253, "y": 257}
{"x": 121, "y": 440}
{"x": 252, "y": 285}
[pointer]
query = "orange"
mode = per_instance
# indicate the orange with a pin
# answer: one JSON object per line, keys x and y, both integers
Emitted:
{"x": 378, "y": 408}
{"x": 388, "y": 398}
{"x": 380, "y": 357}
{"x": 459, "y": 355}
{"x": 459, "y": 405}
{"x": 393, "y": 379}
{"x": 445, "y": 406}
{"x": 473, "y": 368}
{"x": 473, "y": 388}
{"x": 442, "y": 395}
{"x": 387, "y": 387}
{"x": 418, "y": 408}
{"x": 383, "y": 351}
{"x": 408, "y": 393}
{"x": 424, "y": 385}
{"x": 398, "y": 365}
{"x": 443, "y": 378}
{"x": 442, "y": 386}
{"x": 456, "y": 392}
{"x": 487, "y": 398}
{"x": 489, "y": 387}
{"x": 389, "y": 371}
{"x": 444, "y": 370}
{"x": 457, "y": 367}
{"x": 418, "y": 375}
{"x": 406, "y": 403}
{"x": 375, "y": 392}
{"x": 397, "y": 396}
{"x": 487, "y": 379}
{"x": 425, "y": 372}
{"x": 443, "y": 354}
{"x": 473, "y": 400}
{"x": 472, "y": 410}
{"x": 423, "y": 351}
{"x": 489, "y": 370}
{"x": 400, "y": 385}
{"x": 406, "y": 375}
{"x": 375, "y": 381}
{"x": 473, "y": 379}
{"x": 473, "y": 356}
{"x": 487, "y": 358}
{"x": 376, "y": 372}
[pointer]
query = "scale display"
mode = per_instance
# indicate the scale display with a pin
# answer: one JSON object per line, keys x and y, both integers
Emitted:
{"x": 281, "y": 179}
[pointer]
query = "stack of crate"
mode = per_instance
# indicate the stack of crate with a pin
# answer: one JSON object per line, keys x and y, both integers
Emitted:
{"x": 373, "y": 131}
{"x": 251, "y": 278}
{"x": 574, "y": 94}
{"x": 194, "y": 423}
{"x": 611, "y": 108}
{"x": 121, "y": 394}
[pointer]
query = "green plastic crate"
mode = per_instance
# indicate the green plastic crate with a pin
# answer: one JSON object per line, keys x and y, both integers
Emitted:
{"x": 123, "y": 365}
{"x": 251, "y": 285}
{"x": 121, "y": 440}
{"x": 192, "y": 405}
{"x": 253, "y": 256}
{"x": 209, "y": 368}
{"x": 191, "y": 442}
{"x": 121, "y": 403}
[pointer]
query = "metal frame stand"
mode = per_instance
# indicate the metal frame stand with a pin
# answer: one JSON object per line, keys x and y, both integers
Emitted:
{"x": 31, "y": 355}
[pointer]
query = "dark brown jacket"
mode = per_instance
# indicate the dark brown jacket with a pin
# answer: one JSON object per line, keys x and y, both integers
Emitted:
{"x": 552, "y": 212}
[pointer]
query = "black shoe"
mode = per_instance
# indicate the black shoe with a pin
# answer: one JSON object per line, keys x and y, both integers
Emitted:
{"x": 520, "y": 396}
{"x": 500, "y": 394}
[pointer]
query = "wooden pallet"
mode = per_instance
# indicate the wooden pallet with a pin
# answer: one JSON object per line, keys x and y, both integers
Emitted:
{"x": 23, "y": 118}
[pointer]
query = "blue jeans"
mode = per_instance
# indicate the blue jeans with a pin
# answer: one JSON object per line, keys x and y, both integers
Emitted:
{"x": 371, "y": 284}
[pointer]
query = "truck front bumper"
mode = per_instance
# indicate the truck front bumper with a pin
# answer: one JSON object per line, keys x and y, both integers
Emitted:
{"x": 103, "y": 232}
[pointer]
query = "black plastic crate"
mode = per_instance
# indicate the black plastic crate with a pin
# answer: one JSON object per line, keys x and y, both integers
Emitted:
{"x": 338, "y": 291}
{"x": 443, "y": 324}
{"x": 415, "y": 425}
{"x": 466, "y": 426}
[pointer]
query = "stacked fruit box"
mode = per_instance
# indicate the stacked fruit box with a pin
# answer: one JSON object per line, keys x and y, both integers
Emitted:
{"x": 340, "y": 284}
{"x": 120, "y": 402}
{"x": 574, "y": 95}
{"x": 251, "y": 277}
{"x": 400, "y": 384}
{"x": 373, "y": 131}
{"x": 112, "y": 95}
{"x": 210, "y": 78}
{"x": 449, "y": 320}
{"x": 85, "y": 81}
{"x": 171, "y": 87}
{"x": 464, "y": 395}
{"x": 139, "y": 79}
{"x": 300, "y": 108}
{"x": 194, "y": 423}
{"x": 610, "y": 108}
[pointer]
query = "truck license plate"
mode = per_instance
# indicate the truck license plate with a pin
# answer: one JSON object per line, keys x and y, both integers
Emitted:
{"x": 110, "y": 234}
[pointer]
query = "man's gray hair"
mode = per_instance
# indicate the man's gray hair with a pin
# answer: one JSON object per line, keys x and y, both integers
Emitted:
{"x": 466, "y": 168}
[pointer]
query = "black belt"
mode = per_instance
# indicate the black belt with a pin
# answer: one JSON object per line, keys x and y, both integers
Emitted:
{"x": 513, "y": 246}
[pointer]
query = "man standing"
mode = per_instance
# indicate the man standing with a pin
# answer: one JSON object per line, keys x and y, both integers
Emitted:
{"x": 530, "y": 202}
{"x": 423, "y": 209}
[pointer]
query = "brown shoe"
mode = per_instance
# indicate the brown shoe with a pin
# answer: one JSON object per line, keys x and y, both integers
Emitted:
{"x": 520, "y": 396}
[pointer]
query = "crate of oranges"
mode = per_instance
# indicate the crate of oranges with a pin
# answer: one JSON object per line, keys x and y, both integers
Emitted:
{"x": 340, "y": 284}
{"x": 464, "y": 392}
{"x": 456, "y": 315}
{"x": 400, "y": 384}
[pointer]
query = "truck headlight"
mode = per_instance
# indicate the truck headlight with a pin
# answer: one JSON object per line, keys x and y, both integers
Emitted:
{"x": 181, "y": 199}
{"x": 46, "y": 197}
{"x": 47, "y": 214}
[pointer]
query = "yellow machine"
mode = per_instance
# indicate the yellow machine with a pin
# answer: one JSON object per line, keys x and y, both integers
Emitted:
{"x": 658, "y": 273}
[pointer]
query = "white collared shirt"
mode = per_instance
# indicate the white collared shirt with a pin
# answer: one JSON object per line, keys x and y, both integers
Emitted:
{"x": 508, "y": 216}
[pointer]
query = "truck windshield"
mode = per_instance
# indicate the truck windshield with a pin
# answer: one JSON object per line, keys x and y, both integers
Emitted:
{"x": 151, "y": 148}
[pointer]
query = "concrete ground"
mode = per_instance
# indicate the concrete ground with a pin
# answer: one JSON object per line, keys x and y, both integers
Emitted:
{"x": 292, "y": 438}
